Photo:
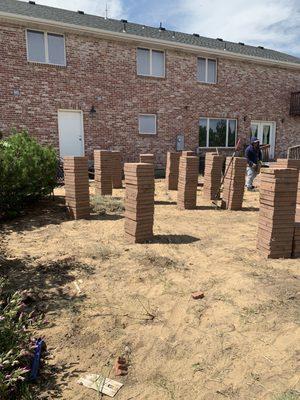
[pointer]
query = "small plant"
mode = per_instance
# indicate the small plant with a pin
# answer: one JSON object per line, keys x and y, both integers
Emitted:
{"x": 16, "y": 345}
{"x": 107, "y": 204}
{"x": 289, "y": 395}
{"x": 27, "y": 172}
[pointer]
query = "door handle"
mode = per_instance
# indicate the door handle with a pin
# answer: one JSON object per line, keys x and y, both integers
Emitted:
{"x": 80, "y": 138}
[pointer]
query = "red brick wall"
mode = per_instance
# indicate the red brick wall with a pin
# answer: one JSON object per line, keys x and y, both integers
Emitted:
{"x": 98, "y": 67}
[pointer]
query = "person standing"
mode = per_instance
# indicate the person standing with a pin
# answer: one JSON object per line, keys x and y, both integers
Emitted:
{"x": 254, "y": 156}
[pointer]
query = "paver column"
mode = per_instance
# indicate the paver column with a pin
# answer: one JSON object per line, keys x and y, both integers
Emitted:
{"x": 234, "y": 183}
{"x": 172, "y": 170}
{"x": 77, "y": 186}
{"x": 147, "y": 158}
{"x": 139, "y": 202}
{"x": 212, "y": 175}
{"x": 103, "y": 165}
{"x": 187, "y": 182}
{"x": 278, "y": 191}
{"x": 117, "y": 172}
{"x": 290, "y": 163}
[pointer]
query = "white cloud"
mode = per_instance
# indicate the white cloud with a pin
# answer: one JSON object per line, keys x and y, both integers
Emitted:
{"x": 95, "y": 7}
{"x": 272, "y": 23}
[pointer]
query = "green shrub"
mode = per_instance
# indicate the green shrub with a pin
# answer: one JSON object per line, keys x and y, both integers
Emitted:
{"x": 27, "y": 172}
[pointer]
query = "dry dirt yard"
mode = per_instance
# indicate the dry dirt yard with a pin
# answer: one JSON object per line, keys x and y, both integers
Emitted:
{"x": 103, "y": 297}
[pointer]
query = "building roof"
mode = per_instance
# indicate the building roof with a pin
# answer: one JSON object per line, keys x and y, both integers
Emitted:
{"x": 79, "y": 20}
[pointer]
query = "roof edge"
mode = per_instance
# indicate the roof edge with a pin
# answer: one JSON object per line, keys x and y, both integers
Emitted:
{"x": 151, "y": 41}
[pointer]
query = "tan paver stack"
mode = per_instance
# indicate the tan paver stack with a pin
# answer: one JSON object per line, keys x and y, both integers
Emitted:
{"x": 187, "y": 153}
{"x": 289, "y": 163}
{"x": 278, "y": 191}
{"x": 147, "y": 158}
{"x": 296, "y": 241}
{"x": 139, "y": 202}
{"x": 117, "y": 171}
{"x": 172, "y": 170}
{"x": 187, "y": 182}
{"x": 103, "y": 163}
{"x": 234, "y": 183}
{"x": 77, "y": 186}
{"x": 212, "y": 175}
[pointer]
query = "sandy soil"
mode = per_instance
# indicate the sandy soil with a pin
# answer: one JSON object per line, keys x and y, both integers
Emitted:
{"x": 241, "y": 341}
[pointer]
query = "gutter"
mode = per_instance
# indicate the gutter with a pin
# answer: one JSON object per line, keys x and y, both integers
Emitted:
{"x": 166, "y": 44}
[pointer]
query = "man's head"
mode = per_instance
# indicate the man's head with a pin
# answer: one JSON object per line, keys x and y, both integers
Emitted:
{"x": 254, "y": 141}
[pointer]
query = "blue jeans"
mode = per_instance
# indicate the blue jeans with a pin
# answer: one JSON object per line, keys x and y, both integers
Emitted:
{"x": 251, "y": 175}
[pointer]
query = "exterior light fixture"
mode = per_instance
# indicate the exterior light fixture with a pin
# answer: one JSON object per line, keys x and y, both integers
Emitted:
{"x": 92, "y": 112}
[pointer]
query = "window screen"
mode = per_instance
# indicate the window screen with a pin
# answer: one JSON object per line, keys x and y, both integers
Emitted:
{"x": 147, "y": 124}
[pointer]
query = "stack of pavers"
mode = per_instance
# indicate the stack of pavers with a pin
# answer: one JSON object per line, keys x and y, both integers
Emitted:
{"x": 172, "y": 170}
{"x": 139, "y": 202}
{"x": 77, "y": 186}
{"x": 147, "y": 158}
{"x": 117, "y": 172}
{"x": 187, "y": 153}
{"x": 212, "y": 175}
{"x": 187, "y": 182}
{"x": 289, "y": 163}
{"x": 278, "y": 191}
{"x": 234, "y": 183}
{"x": 103, "y": 172}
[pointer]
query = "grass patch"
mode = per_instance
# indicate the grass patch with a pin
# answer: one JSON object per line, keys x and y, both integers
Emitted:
{"x": 107, "y": 204}
{"x": 153, "y": 259}
{"x": 289, "y": 395}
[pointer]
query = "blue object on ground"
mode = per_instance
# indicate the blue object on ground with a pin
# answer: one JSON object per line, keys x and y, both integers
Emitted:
{"x": 39, "y": 344}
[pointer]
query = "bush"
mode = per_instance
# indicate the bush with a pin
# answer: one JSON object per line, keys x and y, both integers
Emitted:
{"x": 27, "y": 172}
{"x": 16, "y": 345}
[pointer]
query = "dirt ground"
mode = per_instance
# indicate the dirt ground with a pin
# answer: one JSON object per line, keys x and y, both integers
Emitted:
{"x": 103, "y": 297}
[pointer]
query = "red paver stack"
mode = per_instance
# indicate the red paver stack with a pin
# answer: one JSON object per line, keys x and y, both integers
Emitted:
{"x": 147, "y": 158}
{"x": 117, "y": 172}
{"x": 103, "y": 163}
{"x": 187, "y": 182}
{"x": 187, "y": 153}
{"x": 172, "y": 170}
{"x": 296, "y": 241}
{"x": 139, "y": 202}
{"x": 234, "y": 183}
{"x": 213, "y": 175}
{"x": 77, "y": 186}
{"x": 278, "y": 191}
{"x": 289, "y": 163}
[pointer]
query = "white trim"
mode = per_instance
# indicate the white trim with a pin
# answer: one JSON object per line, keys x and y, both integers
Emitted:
{"x": 46, "y": 46}
{"x": 82, "y": 125}
{"x": 227, "y": 129}
{"x": 140, "y": 39}
{"x": 148, "y": 115}
{"x": 206, "y": 70}
{"x": 150, "y": 61}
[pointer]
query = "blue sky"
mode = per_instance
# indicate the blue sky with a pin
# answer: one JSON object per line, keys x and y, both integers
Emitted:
{"x": 271, "y": 23}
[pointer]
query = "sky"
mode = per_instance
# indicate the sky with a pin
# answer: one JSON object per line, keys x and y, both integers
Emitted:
{"x": 273, "y": 24}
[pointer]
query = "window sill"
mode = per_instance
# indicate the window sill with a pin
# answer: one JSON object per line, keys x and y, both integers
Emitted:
{"x": 207, "y": 83}
{"x": 46, "y": 64}
{"x": 147, "y": 134}
{"x": 151, "y": 77}
{"x": 216, "y": 147}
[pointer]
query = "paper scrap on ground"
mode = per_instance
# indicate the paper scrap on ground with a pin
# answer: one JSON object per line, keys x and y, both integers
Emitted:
{"x": 101, "y": 384}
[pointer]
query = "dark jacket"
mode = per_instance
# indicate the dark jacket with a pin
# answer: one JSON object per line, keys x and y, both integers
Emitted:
{"x": 253, "y": 155}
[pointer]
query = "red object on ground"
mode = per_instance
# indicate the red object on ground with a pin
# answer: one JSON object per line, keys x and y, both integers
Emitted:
{"x": 197, "y": 295}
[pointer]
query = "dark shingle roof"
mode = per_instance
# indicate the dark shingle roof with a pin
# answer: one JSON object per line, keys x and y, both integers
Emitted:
{"x": 92, "y": 21}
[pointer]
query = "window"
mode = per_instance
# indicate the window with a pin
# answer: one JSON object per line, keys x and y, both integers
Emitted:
{"x": 48, "y": 48}
{"x": 207, "y": 70}
{"x": 150, "y": 62}
{"x": 147, "y": 124}
{"x": 215, "y": 132}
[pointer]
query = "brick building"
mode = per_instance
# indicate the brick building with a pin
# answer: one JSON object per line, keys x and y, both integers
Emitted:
{"x": 81, "y": 82}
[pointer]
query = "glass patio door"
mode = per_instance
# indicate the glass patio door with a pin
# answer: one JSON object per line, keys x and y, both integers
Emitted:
{"x": 265, "y": 133}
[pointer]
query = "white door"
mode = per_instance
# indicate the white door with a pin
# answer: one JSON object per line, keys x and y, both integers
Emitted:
{"x": 70, "y": 130}
{"x": 265, "y": 133}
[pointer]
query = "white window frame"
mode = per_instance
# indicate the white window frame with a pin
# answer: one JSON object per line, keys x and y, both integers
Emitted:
{"x": 206, "y": 70}
{"x": 46, "y": 47}
{"x": 147, "y": 115}
{"x": 150, "y": 60}
{"x": 227, "y": 128}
